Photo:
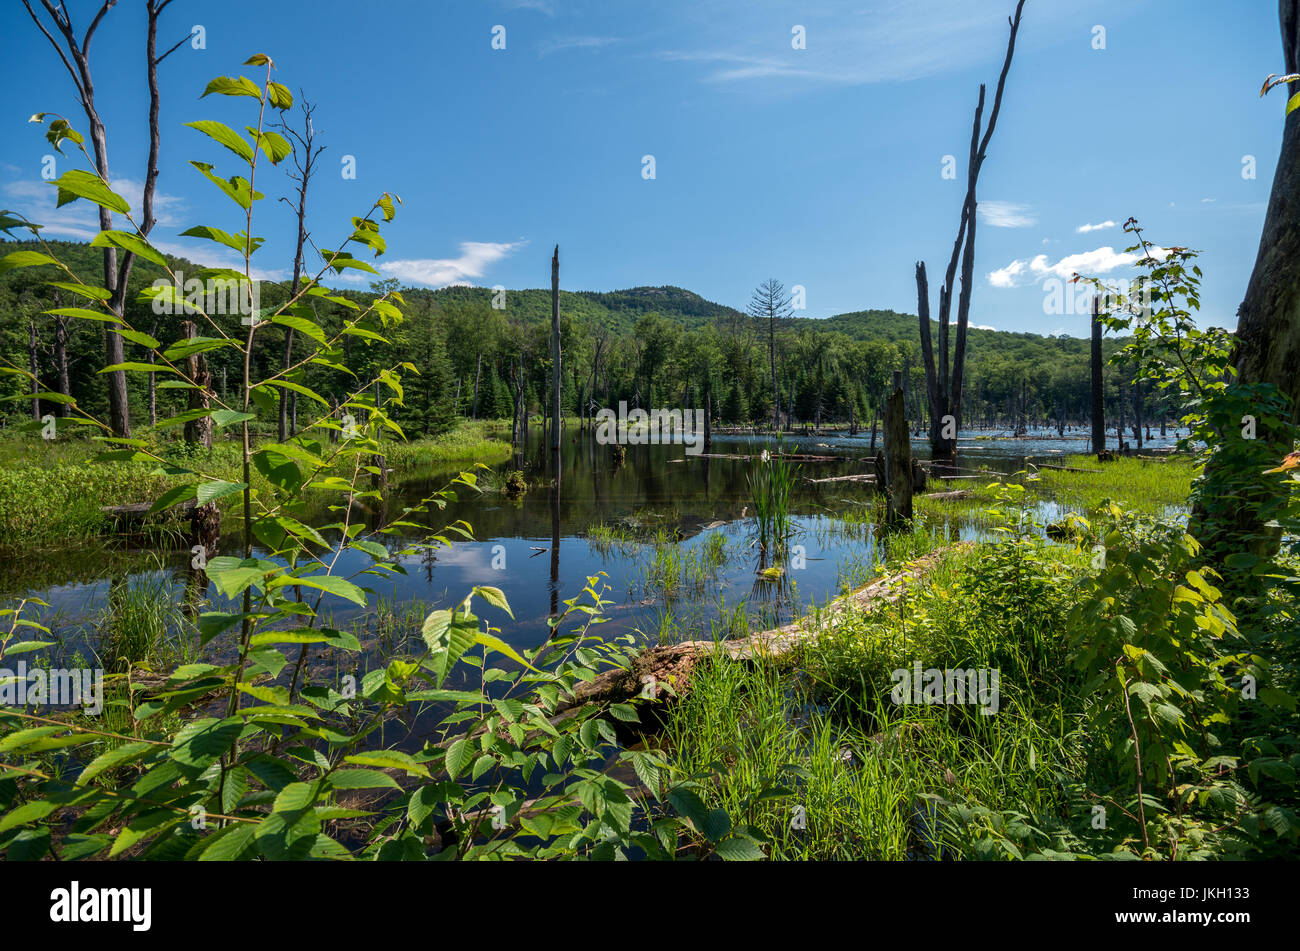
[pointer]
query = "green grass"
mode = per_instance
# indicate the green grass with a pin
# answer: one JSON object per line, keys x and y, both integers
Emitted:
{"x": 51, "y": 492}
{"x": 143, "y": 625}
{"x": 1147, "y": 486}
{"x": 877, "y": 779}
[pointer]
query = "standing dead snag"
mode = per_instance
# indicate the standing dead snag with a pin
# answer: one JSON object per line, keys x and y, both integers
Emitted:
{"x": 557, "y": 379}
{"x": 943, "y": 388}
{"x": 1098, "y": 396}
{"x": 898, "y": 456}
{"x": 304, "y": 154}
{"x": 74, "y": 52}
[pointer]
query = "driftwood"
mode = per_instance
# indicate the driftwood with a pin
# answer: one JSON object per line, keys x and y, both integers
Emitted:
{"x": 957, "y": 494}
{"x": 672, "y": 664}
{"x": 1061, "y": 468}
{"x": 866, "y": 477}
{"x": 788, "y": 456}
{"x": 136, "y": 511}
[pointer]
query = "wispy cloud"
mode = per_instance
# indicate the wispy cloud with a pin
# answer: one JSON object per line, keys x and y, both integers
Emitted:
{"x": 1102, "y": 226}
{"x": 1006, "y": 214}
{"x": 37, "y": 200}
{"x": 541, "y": 6}
{"x": 475, "y": 258}
{"x": 1031, "y": 270}
{"x": 559, "y": 44}
{"x": 847, "y": 42}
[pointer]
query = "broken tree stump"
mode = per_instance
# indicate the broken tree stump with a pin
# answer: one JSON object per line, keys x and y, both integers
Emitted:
{"x": 898, "y": 456}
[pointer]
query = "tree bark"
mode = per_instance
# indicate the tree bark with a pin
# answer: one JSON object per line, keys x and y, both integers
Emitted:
{"x": 557, "y": 378}
{"x": 198, "y": 431}
{"x": 944, "y": 389}
{"x": 898, "y": 456}
{"x": 1098, "y": 396}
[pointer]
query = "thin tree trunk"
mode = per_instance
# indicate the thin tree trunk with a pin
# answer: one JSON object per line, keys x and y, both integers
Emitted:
{"x": 557, "y": 378}
{"x": 1098, "y": 396}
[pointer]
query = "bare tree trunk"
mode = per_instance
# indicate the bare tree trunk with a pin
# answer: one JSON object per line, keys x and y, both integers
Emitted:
{"x": 304, "y": 159}
{"x": 1098, "y": 395}
{"x": 198, "y": 431}
{"x": 33, "y": 367}
{"x": 478, "y": 373}
{"x": 945, "y": 391}
{"x": 1268, "y": 334}
{"x": 898, "y": 456}
{"x": 61, "y": 360}
{"x": 557, "y": 378}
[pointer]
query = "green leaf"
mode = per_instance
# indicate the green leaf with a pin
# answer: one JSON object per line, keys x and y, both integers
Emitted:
{"x": 495, "y": 597}
{"x": 739, "y": 849}
{"x": 130, "y": 243}
{"x": 234, "y": 242}
{"x": 332, "y": 584}
{"x": 223, "y": 134}
{"x": 78, "y": 183}
{"x": 362, "y": 779}
{"x": 458, "y": 756}
{"x": 112, "y": 758}
{"x": 211, "y": 491}
{"x": 138, "y": 368}
{"x": 389, "y": 759}
{"x": 233, "y": 86}
{"x": 17, "y": 259}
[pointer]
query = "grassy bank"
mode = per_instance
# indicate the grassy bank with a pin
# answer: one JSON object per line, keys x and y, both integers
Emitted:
{"x": 52, "y": 492}
{"x": 829, "y": 756}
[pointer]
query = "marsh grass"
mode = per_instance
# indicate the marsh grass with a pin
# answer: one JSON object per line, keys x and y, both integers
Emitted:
{"x": 143, "y": 624}
{"x": 676, "y": 568}
{"x": 771, "y": 483}
{"x": 1157, "y": 487}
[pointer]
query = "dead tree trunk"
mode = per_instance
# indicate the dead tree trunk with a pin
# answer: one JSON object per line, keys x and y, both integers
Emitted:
{"x": 33, "y": 367}
{"x": 198, "y": 431}
{"x": 1098, "y": 401}
{"x": 945, "y": 390}
{"x": 898, "y": 456}
{"x": 1268, "y": 331}
{"x": 557, "y": 378}
{"x": 304, "y": 158}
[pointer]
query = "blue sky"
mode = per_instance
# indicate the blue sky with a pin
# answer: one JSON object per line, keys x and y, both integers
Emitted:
{"x": 820, "y": 166}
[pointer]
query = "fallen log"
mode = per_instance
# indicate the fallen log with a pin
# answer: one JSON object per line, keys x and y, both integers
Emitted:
{"x": 672, "y": 664}
{"x": 1045, "y": 465}
{"x": 956, "y": 494}
{"x": 865, "y": 477}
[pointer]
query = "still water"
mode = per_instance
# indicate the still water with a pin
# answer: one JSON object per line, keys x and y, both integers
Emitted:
{"x": 541, "y": 549}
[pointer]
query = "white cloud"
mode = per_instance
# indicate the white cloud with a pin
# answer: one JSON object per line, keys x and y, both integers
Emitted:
{"x": 1084, "y": 229}
{"x": 1006, "y": 214}
{"x": 475, "y": 258}
{"x": 37, "y": 200}
{"x": 1089, "y": 263}
{"x": 560, "y": 43}
{"x": 541, "y": 6}
{"x": 848, "y": 42}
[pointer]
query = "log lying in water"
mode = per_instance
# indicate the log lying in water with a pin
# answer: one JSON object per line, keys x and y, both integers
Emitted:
{"x": 1045, "y": 465}
{"x": 136, "y": 511}
{"x": 672, "y": 664}
{"x": 864, "y": 477}
{"x": 957, "y": 494}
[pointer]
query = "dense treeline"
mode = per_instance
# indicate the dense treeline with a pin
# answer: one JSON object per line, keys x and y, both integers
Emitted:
{"x": 485, "y": 354}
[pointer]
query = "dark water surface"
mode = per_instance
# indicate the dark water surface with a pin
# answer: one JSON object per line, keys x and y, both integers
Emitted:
{"x": 538, "y": 551}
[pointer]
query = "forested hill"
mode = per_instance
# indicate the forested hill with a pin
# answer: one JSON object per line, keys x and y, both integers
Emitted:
{"x": 616, "y": 310}
{"x": 645, "y": 343}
